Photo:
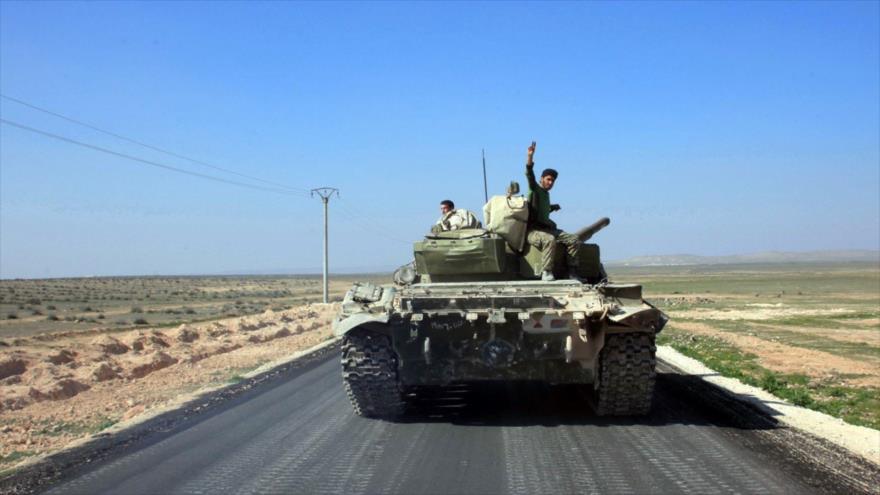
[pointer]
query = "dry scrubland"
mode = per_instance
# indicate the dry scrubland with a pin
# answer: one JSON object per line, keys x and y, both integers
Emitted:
{"x": 30, "y": 307}
{"x": 65, "y": 379}
{"x": 806, "y": 333}
{"x": 77, "y": 357}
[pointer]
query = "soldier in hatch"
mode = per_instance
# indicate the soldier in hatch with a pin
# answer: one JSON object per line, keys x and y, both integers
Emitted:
{"x": 454, "y": 219}
{"x": 448, "y": 220}
{"x": 543, "y": 233}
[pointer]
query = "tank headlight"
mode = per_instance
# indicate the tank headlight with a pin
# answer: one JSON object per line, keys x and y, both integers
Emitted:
{"x": 405, "y": 275}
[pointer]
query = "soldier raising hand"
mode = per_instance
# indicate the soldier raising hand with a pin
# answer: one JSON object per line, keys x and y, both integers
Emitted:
{"x": 543, "y": 232}
{"x": 530, "y": 155}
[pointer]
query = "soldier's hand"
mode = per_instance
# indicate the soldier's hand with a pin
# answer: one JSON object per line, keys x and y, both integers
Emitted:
{"x": 555, "y": 207}
{"x": 530, "y": 154}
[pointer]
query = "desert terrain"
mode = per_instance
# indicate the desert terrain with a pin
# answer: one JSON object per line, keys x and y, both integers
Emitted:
{"x": 81, "y": 355}
{"x": 807, "y": 333}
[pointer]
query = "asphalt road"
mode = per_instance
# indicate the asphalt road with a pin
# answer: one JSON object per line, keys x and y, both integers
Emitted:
{"x": 298, "y": 435}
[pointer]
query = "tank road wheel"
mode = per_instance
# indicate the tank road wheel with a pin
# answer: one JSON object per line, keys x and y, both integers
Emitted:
{"x": 369, "y": 372}
{"x": 626, "y": 375}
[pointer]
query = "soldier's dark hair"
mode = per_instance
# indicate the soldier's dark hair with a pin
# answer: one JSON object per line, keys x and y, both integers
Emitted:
{"x": 448, "y": 203}
{"x": 551, "y": 172}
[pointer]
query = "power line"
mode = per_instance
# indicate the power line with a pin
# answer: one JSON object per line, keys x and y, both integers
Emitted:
{"x": 148, "y": 162}
{"x": 149, "y": 146}
{"x": 368, "y": 225}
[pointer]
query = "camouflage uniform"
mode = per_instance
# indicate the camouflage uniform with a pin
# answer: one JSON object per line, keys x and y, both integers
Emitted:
{"x": 546, "y": 242}
{"x": 543, "y": 233}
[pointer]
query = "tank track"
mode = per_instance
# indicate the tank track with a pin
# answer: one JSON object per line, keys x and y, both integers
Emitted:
{"x": 369, "y": 373}
{"x": 626, "y": 375}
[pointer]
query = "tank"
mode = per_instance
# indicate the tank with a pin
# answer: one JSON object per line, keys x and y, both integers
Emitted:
{"x": 470, "y": 308}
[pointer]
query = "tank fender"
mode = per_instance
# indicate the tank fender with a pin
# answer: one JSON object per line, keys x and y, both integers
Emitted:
{"x": 344, "y": 325}
{"x": 643, "y": 316}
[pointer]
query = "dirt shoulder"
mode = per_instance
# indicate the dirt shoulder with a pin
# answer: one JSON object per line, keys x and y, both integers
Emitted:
{"x": 57, "y": 389}
{"x": 787, "y": 359}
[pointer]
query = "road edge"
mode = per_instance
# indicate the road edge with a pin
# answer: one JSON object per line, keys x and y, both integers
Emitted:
{"x": 861, "y": 441}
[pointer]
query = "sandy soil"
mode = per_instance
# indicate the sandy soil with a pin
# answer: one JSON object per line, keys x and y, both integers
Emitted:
{"x": 55, "y": 389}
{"x": 757, "y": 312}
{"x": 788, "y": 359}
{"x": 857, "y": 335}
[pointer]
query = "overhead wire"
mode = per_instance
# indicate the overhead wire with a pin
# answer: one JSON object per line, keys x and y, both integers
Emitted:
{"x": 361, "y": 222}
{"x": 367, "y": 224}
{"x": 150, "y": 162}
{"x": 148, "y": 146}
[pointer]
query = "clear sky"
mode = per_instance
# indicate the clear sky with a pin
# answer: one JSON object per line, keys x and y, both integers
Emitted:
{"x": 701, "y": 127}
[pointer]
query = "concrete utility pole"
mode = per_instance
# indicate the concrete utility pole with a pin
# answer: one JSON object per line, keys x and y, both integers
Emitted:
{"x": 324, "y": 193}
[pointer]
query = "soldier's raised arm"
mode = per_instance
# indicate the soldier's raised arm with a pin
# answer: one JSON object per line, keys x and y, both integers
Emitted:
{"x": 530, "y": 155}
{"x": 530, "y": 164}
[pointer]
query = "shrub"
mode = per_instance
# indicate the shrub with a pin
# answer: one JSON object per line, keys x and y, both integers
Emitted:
{"x": 12, "y": 316}
{"x": 51, "y": 307}
{"x": 51, "y": 318}
{"x": 141, "y": 321}
{"x": 137, "y": 309}
{"x": 34, "y": 301}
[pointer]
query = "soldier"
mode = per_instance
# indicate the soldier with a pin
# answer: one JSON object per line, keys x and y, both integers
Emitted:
{"x": 444, "y": 223}
{"x": 450, "y": 218}
{"x": 543, "y": 233}
{"x": 454, "y": 219}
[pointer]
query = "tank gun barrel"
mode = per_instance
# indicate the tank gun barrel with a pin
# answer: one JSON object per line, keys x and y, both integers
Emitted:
{"x": 585, "y": 233}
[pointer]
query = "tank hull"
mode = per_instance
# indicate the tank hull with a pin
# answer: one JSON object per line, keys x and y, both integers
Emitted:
{"x": 553, "y": 332}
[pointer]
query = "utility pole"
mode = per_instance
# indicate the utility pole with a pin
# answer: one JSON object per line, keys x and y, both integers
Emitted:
{"x": 325, "y": 193}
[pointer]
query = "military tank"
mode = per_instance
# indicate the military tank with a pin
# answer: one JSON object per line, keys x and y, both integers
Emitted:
{"x": 472, "y": 308}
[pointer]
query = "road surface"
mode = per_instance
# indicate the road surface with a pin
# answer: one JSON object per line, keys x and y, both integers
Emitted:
{"x": 298, "y": 435}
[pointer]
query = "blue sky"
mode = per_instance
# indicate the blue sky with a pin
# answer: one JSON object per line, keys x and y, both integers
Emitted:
{"x": 699, "y": 127}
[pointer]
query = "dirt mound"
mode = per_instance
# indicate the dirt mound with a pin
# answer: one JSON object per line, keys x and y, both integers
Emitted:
{"x": 61, "y": 389}
{"x": 217, "y": 330}
{"x": 269, "y": 334}
{"x": 143, "y": 366}
{"x": 12, "y": 366}
{"x": 62, "y": 357}
{"x": 213, "y": 350}
{"x": 186, "y": 334}
{"x": 110, "y": 345}
{"x": 155, "y": 340}
{"x": 105, "y": 371}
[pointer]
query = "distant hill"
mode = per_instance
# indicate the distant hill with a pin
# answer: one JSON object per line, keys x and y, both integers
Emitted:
{"x": 764, "y": 257}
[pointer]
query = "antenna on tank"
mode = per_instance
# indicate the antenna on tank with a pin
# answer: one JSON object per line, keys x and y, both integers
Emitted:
{"x": 485, "y": 186}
